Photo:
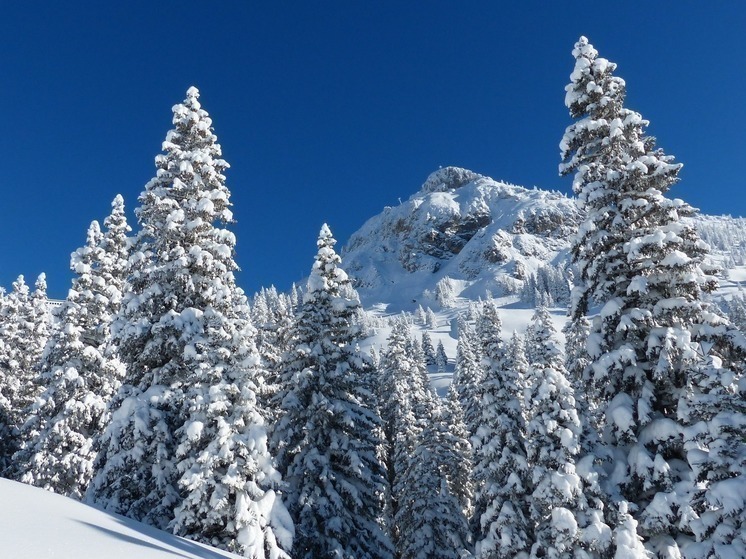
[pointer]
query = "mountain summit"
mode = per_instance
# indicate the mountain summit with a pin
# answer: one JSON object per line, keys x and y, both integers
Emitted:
{"x": 462, "y": 234}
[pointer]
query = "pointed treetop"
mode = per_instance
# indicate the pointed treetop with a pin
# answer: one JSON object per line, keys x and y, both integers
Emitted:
{"x": 326, "y": 275}
{"x": 20, "y": 285}
{"x": 190, "y": 118}
{"x": 325, "y": 237}
{"x": 593, "y": 88}
{"x": 584, "y": 48}
{"x": 94, "y": 234}
{"x": 41, "y": 282}
{"x": 116, "y": 221}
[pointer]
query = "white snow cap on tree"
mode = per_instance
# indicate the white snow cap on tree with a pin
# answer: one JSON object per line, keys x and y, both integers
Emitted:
{"x": 326, "y": 263}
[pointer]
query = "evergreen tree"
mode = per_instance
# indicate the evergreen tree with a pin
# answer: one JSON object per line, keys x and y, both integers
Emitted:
{"x": 430, "y": 518}
{"x": 329, "y": 432}
{"x": 77, "y": 379}
{"x": 441, "y": 359}
{"x": 489, "y": 331}
{"x": 736, "y": 309}
{"x": 716, "y": 448}
{"x": 502, "y": 480}
{"x": 431, "y": 320}
{"x": 467, "y": 377}
{"x": 564, "y": 518}
{"x": 641, "y": 262}
{"x": 24, "y": 331}
{"x": 273, "y": 315}
{"x": 186, "y": 447}
{"x": 457, "y": 464}
{"x": 427, "y": 348}
{"x": 421, "y": 317}
{"x": 111, "y": 278}
{"x": 10, "y": 372}
{"x": 576, "y": 353}
{"x": 406, "y": 406}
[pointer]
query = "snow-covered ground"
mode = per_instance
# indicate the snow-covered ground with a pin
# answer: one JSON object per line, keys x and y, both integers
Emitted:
{"x": 37, "y": 524}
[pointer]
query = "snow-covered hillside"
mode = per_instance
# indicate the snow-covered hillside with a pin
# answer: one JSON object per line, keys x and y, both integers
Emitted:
{"x": 37, "y": 524}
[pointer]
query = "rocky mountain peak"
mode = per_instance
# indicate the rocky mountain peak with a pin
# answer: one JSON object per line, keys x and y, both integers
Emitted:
{"x": 479, "y": 235}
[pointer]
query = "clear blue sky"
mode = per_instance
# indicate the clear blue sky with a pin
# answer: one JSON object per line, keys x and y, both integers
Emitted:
{"x": 329, "y": 111}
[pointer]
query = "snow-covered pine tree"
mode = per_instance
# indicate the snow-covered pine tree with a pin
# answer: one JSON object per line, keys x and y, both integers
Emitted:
{"x": 432, "y": 320}
{"x": 458, "y": 461}
{"x": 375, "y": 357}
{"x": 76, "y": 379}
{"x": 716, "y": 449}
{"x": 430, "y": 519}
{"x": 565, "y": 520}
{"x": 329, "y": 433}
{"x": 502, "y": 482}
{"x": 641, "y": 262}
{"x": 420, "y": 314}
{"x": 489, "y": 332}
{"x": 441, "y": 359}
{"x": 11, "y": 373}
{"x": 576, "y": 353}
{"x": 113, "y": 269}
{"x": 427, "y": 348}
{"x": 25, "y": 328}
{"x": 272, "y": 314}
{"x": 40, "y": 320}
{"x": 186, "y": 447}
{"x": 406, "y": 406}
{"x": 8, "y": 442}
{"x": 6, "y": 448}
{"x": 467, "y": 376}
{"x": 735, "y": 308}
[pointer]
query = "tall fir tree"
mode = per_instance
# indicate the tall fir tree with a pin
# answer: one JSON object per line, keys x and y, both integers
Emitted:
{"x": 458, "y": 460}
{"x": 406, "y": 405}
{"x": 467, "y": 377}
{"x": 24, "y": 330}
{"x": 441, "y": 359}
{"x": 329, "y": 433}
{"x": 77, "y": 376}
{"x": 641, "y": 262}
{"x": 430, "y": 518}
{"x": 272, "y": 314}
{"x": 114, "y": 266}
{"x": 502, "y": 482}
{"x": 566, "y": 511}
{"x": 186, "y": 448}
{"x": 427, "y": 347}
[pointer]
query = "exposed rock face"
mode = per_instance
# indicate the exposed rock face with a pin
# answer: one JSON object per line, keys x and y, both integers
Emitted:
{"x": 484, "y": 234}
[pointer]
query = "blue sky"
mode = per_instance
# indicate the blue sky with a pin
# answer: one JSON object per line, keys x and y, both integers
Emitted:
{"x": 329, "y": 111}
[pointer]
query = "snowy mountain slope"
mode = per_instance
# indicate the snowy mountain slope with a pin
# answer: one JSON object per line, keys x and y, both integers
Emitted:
{"x": 484, "y": 235}
{"x": 37, "y": 524}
